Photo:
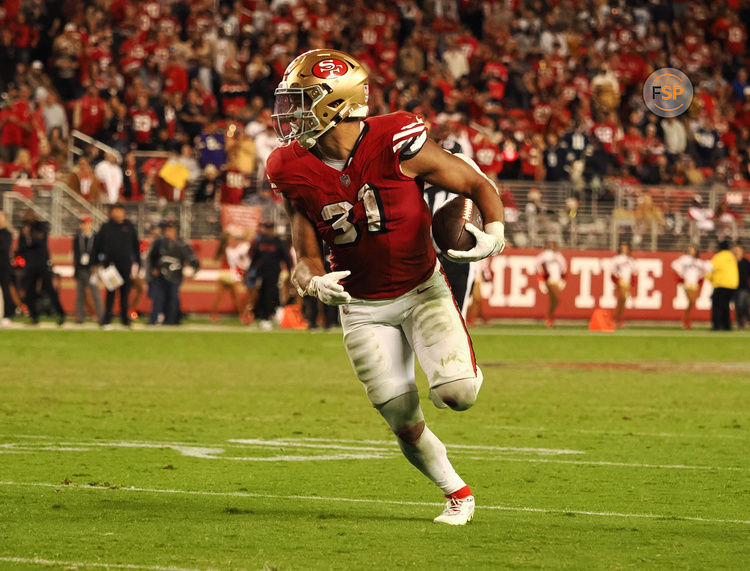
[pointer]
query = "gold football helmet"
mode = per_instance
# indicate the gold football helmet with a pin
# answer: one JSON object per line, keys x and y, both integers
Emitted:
{"x": 320, "y": 88}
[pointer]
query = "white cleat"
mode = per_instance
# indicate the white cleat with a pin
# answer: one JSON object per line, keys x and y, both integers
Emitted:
{"x": 458, "y": 511}
{"x": 436, "y": 400}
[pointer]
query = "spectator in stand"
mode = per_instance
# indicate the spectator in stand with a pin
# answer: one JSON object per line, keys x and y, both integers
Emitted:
{"x": 675, "y": 137}
{"x": 67, "y": 50}
{"x": 109, "y": 173}
{"x": 551, "y": 269}
{"x": 741, "y": 86}
{"x": 169, "y": 260}
{"x": 265, "y": 141}
{"x": 117, "y": 244}
{"x": 742, "y": 298}
{"x": 90, "y": 113}
{"x": 15, "y": 124}
{"x": 234, "y": 184}
{"x": 144, "y": 123}
{"x": 268, "y": 256}
{"x": 83, "y": 181}
{"x": 724, "y": 276}
{"x": 22, "y": 171}
{"x": 87, "y": 289}
{"x": 625, "y": 277}
{"x": 212, "y": 145}
{"x": 8, "y": 309}
{"x": 554, "y": 160}
{"x": 209, "y": 189}
{"x": 132, "y": 182}
{"x": 54, "y": 114}
{"x": 192, "y": 116}
{"x": 37, "y": 275}
{"x": 690, "y": 271}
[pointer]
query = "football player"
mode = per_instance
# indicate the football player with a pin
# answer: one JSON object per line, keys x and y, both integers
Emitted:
{"x": 460, "y": 276}
{"x": 356, "y": 183}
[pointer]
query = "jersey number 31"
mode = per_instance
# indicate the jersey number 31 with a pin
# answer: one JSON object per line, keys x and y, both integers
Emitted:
{"x": 340, "y": 215}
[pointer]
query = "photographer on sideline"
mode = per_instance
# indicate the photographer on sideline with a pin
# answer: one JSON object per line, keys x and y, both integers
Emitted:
{"x": 37, "y": 276}
{"x": 169, "y": 259}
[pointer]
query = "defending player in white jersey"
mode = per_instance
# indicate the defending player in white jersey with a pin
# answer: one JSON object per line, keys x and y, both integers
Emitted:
{"x": 355, "y": 183}
{"x": 690, "y": 271}
{"x": 551, "y": 269}
{"x": 625, "y": 276}
{"x": 460, "y": 276}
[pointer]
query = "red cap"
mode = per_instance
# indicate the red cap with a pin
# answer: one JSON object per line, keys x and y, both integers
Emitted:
{"x": 86, "y": 219}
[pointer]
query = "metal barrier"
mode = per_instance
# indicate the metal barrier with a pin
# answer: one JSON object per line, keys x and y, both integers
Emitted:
{"x": 655, "y": 218}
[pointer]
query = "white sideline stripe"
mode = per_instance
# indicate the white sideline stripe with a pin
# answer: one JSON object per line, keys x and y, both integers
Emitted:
{"x": 370, "y": 501}
{"x": 315, "y": 443}
{"x": 76, "y": 564}
{"x": 584, "y": 332}
{"x": 334, "y": 443}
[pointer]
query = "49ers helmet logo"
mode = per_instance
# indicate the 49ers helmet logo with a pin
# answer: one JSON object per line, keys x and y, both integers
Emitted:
{"x": 328, "y": 68}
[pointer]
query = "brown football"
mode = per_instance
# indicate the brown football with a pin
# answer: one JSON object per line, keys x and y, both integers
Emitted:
{"x": 448, "y": 224}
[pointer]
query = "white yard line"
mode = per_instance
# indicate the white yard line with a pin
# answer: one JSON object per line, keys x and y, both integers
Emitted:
{"x": 341, "y": 449}
{"x": 372, "y": 501}
{"x": 77, "y": 564}
{"x": 614, "y": 464}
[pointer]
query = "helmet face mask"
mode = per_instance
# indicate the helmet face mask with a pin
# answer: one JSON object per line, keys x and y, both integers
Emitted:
{"x": 320, "y": 88}
{"x": 293, "y": 116}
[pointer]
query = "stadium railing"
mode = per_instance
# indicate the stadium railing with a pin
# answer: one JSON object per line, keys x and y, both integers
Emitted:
{"x": 671, "y": 218}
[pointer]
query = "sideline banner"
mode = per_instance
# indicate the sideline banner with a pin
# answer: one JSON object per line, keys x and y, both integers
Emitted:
{"x": 512, "y": 288}
{"x": 244, "y": 217}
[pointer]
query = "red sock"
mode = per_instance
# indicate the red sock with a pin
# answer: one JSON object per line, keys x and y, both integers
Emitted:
{"x": 459, "y": 494}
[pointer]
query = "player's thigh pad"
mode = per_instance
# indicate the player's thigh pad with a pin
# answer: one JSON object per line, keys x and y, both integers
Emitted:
{"x": 380, "y": 354}
{"x": 438, "y": 335}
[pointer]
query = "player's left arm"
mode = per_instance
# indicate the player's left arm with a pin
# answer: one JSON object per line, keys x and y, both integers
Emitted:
{"x": 454, "y": 174}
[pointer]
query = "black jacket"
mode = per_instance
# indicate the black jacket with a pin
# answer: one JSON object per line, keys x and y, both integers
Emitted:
{"x": 117, "y": 244}
{"x": 33, "y": 248}
{"x": 267, "y": 253}
{"x": 6, "y": 241}
{"x": 743, "y": 266}
{"x": 169, "y": 257}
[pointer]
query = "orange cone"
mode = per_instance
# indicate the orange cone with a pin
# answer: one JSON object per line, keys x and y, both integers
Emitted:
{"x": 601, "y": 320}
{"x": 292, "y": 318}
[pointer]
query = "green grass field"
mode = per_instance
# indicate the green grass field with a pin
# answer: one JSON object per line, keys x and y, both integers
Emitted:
{"x": 233, "y": 450}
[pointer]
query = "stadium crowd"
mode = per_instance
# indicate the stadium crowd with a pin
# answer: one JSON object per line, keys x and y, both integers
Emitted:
{"x": 538, "y": 90}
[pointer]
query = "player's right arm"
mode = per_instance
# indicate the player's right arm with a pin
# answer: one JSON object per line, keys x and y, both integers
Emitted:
{"x": 309, "y": 275}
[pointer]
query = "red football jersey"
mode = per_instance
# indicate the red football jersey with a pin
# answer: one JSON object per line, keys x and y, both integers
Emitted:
{"x": 372, "y": 217}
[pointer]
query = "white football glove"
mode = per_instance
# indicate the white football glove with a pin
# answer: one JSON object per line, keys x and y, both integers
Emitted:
{"x": 489, "y": 243}
{"x": 328, "y": 289}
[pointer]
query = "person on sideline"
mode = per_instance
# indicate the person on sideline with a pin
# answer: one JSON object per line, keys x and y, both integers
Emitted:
{"x": 690, "y": 271}
{"x": 725, "y": 278}
{"x": 742, "y": 298}
{"x": 117, "y": 244}
{"x": 551, "y": 269}
{"x": 83, "y": 260}
{"x": 625, "y": 276}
